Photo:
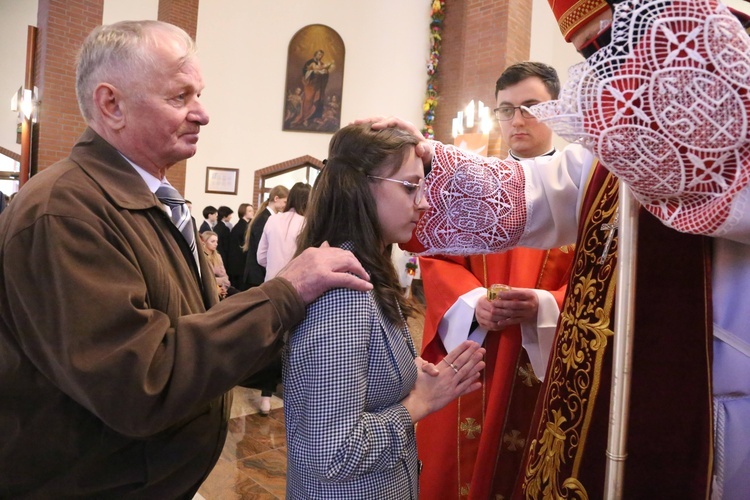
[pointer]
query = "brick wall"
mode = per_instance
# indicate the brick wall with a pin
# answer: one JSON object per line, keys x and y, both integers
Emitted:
{"x": 63, "y": 25}
{"x": 480, "y": 38}
{"x": 182, "y": 13}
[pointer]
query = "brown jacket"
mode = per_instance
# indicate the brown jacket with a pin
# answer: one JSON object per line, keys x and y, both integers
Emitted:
{"x": 113, "y": 377}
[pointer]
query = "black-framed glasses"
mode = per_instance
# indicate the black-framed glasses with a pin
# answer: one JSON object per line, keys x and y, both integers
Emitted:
{"x": 505, "y": 113}
{"x": 410, "y": 186}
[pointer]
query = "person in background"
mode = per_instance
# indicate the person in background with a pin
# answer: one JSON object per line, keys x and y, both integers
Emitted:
{"x": 276, "y": 248}
{"x": 211, "y": 215}
{"x": 118, "y": 359}
{"x": 278, "y": 243}
{"x": 276, "y": 201}
{"x": 210, "y": 241}
{"x": 353, "y": 385}
{"x": 236, "y": 257}
{"x": 222, "y": 228}
{"x": 458, "y": 308}
{"x": 225, "y": 216}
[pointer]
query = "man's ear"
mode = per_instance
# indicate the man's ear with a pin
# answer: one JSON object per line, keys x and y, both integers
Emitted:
{"x": 108, "y": 102}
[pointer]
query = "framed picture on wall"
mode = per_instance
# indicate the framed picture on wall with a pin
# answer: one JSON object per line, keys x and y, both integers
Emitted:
{"x": 222, "y": 180}
{"x": 314, "y": 80}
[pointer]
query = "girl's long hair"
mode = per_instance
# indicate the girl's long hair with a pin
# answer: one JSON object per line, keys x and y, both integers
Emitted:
{"x": 212, "y": 257}
{"x": 299, "y": 197}
{"x": 281, "y": 192}
{"x": 342, "y": 208}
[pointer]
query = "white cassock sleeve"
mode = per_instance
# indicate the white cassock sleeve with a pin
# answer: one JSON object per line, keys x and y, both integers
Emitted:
{"x": 454, "y": 326}
{"x": 537, "y": 337}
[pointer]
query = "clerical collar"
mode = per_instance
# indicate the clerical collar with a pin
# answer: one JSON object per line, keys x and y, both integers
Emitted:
{"x": 520, "y": 158}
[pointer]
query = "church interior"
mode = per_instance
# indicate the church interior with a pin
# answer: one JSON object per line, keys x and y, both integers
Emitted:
{"x": 421, "y": 60}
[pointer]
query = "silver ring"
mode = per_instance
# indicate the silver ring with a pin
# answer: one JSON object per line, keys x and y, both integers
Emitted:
{"x": 455, "y": 369}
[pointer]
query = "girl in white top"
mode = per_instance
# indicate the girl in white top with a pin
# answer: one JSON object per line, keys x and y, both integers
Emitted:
{"x": 279, "y": 240}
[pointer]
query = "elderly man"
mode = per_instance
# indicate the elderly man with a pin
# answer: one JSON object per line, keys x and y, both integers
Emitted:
{"x": 116, "y": 355}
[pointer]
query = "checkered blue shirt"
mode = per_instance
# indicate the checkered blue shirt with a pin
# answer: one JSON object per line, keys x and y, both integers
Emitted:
{"x": 345, "y": 371}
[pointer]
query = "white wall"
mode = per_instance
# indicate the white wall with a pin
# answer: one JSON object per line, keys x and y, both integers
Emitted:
{"x": 740, "y": 5}
{"x": 122, "y": 10}
{"x": 243, "y": 56}
{"x": 15, "y": 18}
{"x": 547, "y": 43}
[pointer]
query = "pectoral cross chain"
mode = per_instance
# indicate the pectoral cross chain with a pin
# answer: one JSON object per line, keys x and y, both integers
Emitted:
{"x": 611, "y": 229}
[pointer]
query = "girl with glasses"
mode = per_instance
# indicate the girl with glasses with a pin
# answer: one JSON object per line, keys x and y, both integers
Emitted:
{"x": 353, "y": 384}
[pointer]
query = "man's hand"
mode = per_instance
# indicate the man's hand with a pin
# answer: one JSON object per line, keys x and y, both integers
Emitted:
{"x": 423, "y": 149}
{"x": 509, "y": 308}
{"x": 317, "y": 270}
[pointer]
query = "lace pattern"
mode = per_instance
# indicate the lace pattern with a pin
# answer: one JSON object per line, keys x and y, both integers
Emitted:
{"x": 665, "y": 108}
{"x": 477, "y": 204}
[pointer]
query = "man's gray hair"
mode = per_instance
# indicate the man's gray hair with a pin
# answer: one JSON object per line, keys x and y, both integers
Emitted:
{"x": 120, "y": 54}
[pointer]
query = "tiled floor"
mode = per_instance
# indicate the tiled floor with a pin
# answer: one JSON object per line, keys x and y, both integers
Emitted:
{"x": 253, "y": 463}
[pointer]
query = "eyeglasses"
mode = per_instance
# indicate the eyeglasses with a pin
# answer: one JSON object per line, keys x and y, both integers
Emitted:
{"x": 410, "y": 187}
{"x": 505, "y": 113}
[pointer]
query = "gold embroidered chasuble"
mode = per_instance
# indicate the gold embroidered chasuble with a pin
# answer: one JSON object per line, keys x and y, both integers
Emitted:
{"x": 669, "y": 448}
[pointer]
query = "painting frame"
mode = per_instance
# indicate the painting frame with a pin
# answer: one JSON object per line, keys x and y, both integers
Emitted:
{"x": 314, "y": 80}
{"x": 220, "y": 180}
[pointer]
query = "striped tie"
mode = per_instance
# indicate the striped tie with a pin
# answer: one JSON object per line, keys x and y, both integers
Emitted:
{"x": 180, "y": 215}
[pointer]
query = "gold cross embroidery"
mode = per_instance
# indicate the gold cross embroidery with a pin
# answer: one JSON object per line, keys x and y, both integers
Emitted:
{"x": 527, "y": 375}
{"x": 514, "y": 440}
{"x": 612, "y": 229}
{"x": 470, "y": 427}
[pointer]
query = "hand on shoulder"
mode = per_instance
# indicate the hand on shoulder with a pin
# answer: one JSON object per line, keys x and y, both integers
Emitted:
{"x": 317, "y": 270}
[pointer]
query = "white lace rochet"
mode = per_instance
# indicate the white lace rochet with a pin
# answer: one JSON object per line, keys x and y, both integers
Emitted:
{"x": 665, "y": 107}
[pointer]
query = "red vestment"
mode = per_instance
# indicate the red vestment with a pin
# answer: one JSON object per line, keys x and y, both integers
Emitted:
{"x": 459, "y": 444}
{"x": 669, "y": 426}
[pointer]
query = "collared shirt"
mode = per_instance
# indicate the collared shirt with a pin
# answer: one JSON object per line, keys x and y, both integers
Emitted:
{"x": 521, "y": 158}
{"x": 153, "y": 184}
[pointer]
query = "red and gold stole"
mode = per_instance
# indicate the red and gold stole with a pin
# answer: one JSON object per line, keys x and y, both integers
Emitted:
{"x": 670, "y": 428}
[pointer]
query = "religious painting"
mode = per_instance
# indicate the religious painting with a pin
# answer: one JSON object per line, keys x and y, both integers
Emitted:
{"x": 314, "y": 80}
